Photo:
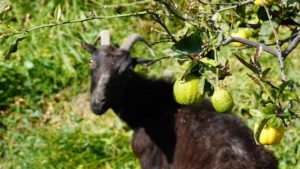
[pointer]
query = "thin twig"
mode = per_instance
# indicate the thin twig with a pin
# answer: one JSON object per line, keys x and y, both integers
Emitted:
{"x": 278, "y": 47}
{"x": 280, "y": 55}
{"x": 157, "y": 60}
{"x": 161, "y": 41}
{"x": 235, "y": 6}
{"x": 283, "y": 41}
{"x": 291, "y": 46}
{"x": 149, "y": 62}
{"x": 163, "y": 25}
{"x": 74, "y": 21}
{"x": 171, "y": 8}
{"x": 225, "y": 4}
{"x": 126, "y": 4}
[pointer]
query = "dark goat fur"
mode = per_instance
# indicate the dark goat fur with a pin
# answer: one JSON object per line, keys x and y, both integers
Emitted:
{"x": 166, "y": 134}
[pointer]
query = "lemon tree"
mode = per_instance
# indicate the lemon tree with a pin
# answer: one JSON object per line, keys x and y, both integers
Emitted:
{"x": 209, "y": 34}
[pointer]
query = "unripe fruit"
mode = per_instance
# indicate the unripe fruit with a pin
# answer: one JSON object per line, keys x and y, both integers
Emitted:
{"x": 260, "y": 2}
{"x": 241, "y": 33}
{"x": 188, "y": 92}
{"x": 270, "y": 135}
{"x": 222, "y": 101}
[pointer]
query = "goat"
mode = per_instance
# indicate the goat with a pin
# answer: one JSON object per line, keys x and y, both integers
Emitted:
{"x": 166, "y": 134}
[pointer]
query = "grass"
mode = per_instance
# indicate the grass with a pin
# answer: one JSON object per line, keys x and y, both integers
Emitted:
{"x": 45, "y": 120}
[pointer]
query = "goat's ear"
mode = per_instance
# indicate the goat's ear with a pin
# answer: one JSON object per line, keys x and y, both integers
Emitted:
{"x": 88, "y": 47}
{"x": 126, "y": 64}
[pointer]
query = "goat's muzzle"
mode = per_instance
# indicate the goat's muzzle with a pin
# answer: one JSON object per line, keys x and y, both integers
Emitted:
{"x": 99, "y": 107}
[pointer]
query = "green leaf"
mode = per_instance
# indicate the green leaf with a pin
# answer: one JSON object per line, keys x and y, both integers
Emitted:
{"x": 290, "y": 1}
{"x": 209, "y": 88}
{"x": 285, "y": 84}
{"x": 269, "y": 109}
{"x": 265, "y": 29}
{"x": 257, "y": 131}
{"x": 57, "y": 13}
{"x": 265, "y": 97}
{"x": 256, "y": 113}
{"x": 190, "y": 44}
{"x": 176, "y": 54}
{"x": 241, "y": 11}
{"x": 288, "y": 95}
{"x": 289, "y": 114}
{"x": 262, "y": 15}
{"x": 202, "y": 84}
{"x": 297, "y": 18}
{"x": 256, "y": 80}
{"x": 181, "y": 61}
{"x": 210, "y": 62}
{"x": 275, "y": 122}
{"x": 14, "y": 47}
{"x": 265, "y": 72}
{"x": 188, "y": 69}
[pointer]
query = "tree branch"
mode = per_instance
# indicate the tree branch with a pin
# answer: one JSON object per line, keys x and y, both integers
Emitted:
{"x": 291, "y": 46}
{"x": 250, "y": 43}
{"x": 26, "y": 31}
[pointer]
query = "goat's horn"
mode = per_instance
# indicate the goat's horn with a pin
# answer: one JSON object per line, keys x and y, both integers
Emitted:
{"x": 132, "y": 39}
{"x": 105, "y": 38}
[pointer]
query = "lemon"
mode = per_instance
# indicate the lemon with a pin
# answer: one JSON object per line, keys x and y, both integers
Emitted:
{"x": 270, "y": 135}
{"x": 222, "y": 101}
{"x": 241, "y": 33}
{"x": 260, "y": 2}
{"x": 187, "y": 92}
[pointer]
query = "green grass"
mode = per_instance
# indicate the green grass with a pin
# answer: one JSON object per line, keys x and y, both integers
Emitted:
{"x": 45, "y": 119}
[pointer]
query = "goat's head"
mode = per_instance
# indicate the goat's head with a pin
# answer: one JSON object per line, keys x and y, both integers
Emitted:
{"x": 109, "y": 69}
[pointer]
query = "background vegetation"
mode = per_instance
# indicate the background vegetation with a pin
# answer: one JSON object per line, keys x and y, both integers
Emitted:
{"x": 45, "y": 120}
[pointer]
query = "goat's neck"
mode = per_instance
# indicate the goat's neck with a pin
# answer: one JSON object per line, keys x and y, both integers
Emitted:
{"x": 150, "y": 105}
{"x": 146, "y": 102}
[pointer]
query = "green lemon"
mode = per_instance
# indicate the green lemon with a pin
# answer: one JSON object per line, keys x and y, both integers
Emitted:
{"x": 187, "y": 92}
{"x": 222, "y": 101}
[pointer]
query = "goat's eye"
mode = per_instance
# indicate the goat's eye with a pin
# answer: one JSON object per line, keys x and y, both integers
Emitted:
{"x": 92, "y": 64}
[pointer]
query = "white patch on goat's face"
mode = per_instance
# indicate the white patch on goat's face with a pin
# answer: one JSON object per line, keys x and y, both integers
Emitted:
{"x": 99, "y": 99}
{"x": 102, "y": 83}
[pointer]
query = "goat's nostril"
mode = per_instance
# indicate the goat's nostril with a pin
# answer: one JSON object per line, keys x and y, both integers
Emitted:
{"x": 98, "y": 106}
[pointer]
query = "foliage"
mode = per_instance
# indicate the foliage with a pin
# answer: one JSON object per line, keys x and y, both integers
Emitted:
{"x": 44, "y": 72}
{"x": 210, "y": 26}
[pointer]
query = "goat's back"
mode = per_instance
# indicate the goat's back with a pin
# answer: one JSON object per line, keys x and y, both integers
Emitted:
{"x": 209, "y": 140}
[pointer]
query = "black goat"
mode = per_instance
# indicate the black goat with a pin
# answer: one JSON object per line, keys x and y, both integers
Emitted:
{"x": 166, "y": 134}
